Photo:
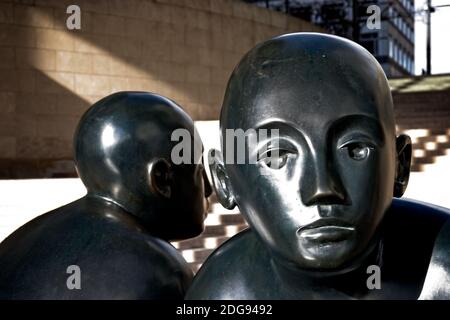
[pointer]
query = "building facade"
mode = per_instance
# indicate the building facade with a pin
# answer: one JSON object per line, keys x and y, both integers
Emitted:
{"x": 392, "y": 44}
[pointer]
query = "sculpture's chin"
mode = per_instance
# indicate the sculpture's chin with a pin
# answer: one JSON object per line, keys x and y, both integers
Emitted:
{"x": 194, "y": 231}
{"x": 325, "y": 261}
{"x": 319, "y": 256}
{"x": 326, "y": 253}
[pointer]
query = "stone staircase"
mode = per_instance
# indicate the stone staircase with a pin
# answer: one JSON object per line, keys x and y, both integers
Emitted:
{"x": 427, "y": 146}
{"x": 220, "y": 225}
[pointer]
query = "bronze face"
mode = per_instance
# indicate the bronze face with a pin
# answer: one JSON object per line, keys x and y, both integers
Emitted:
{"x": 329, "y": 99}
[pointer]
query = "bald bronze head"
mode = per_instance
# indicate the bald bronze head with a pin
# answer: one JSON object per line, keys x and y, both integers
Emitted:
{"x": 123, "y": 154}
{"x": 338, "y": 160}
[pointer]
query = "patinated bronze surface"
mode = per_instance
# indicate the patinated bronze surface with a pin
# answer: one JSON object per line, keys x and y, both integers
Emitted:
{"x": 321, "y": 212}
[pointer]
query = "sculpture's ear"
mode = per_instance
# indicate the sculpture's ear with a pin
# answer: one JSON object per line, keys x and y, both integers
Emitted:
{"x": 404, "y": 152}
{"x": 160, "y": 175}
{"x": 220, "y": 179}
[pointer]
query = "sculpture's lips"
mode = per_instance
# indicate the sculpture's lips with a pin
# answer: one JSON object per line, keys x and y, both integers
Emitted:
{"x": 326, "y": 230}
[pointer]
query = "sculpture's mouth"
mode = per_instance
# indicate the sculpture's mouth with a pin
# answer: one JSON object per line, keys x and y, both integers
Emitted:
{"x": 327, "y": 230}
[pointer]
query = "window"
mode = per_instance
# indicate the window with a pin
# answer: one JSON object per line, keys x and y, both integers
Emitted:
{"x": 401, "y": 57}
{"x": 405, "y": 60}
{"x": 395, "y": 51}
{"x": 391, "y": 48}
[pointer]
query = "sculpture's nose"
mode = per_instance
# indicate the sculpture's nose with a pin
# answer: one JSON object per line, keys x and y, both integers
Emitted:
{"x": 322, "y": 184}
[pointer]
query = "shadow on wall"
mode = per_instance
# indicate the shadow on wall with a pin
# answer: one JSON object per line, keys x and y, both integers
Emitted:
{"x": 39, "y": 131}
{"x": 184, "y": 50}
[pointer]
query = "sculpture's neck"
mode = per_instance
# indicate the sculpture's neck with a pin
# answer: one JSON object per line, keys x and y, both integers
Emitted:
{"x": 350, "y": 280}
{"x": 112, "y": 210}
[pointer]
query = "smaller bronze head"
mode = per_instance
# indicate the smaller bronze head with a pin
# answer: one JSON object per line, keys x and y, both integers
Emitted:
{"x": 123, "y": 154}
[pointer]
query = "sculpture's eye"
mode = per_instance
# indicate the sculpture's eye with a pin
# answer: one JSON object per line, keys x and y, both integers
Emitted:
{"x": 358, "y": 151}
{"x": 275, "y": 158}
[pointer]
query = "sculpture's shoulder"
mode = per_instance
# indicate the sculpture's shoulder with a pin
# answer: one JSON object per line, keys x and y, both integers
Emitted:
{"x": 143, "y": 267}
{"x": 231, "y": 270}
{"x": 437, "y": 281}
{"x": 115, "y": 256}
{"x": 418, "y": 210}
{"x": 417, "y": 245}
{"x": 413, "y": 218}
{"x": 139, "y": 266}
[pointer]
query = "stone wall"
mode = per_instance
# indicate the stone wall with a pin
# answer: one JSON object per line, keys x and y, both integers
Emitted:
{"x": 50, "y": 75}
